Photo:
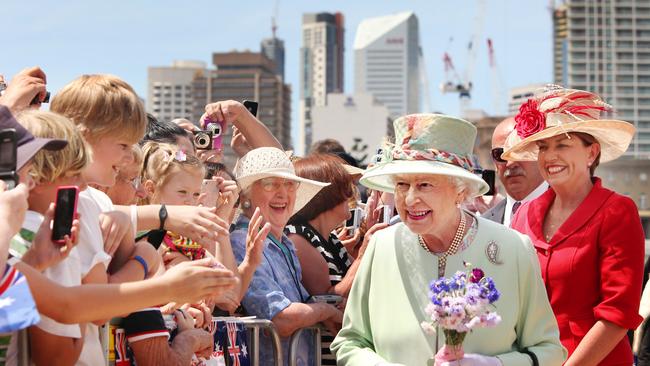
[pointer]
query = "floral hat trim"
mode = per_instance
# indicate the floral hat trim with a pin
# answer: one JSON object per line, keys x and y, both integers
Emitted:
{"x": 396, "y": 153}
{"x": 415, "y": 125}
{"x": 576, "y": 104}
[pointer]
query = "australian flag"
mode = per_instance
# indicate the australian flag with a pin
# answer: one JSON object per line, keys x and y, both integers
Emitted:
{"x": 17, "y": 307}
{"x": 230, "y": 340}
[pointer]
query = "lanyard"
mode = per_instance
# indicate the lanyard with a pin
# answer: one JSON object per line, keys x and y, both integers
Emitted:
{"x": 288, "y": 259}
{"x": 286, "y": 255}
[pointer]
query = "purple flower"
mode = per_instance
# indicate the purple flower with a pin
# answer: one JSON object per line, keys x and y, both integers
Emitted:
{"x": 477, "y": 275}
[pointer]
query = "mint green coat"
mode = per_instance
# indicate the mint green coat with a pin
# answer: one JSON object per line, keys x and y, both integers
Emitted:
{"x": 386, "y": 304}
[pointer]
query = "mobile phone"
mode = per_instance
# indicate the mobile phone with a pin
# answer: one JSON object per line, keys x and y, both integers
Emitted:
{"x": 385, "y": 213}
{"x": 209, "y": 193}
{"x": 8, "y": 156}
{"x": 327, "y": 299}
{"x": 251, "y": 106}
{"x": 202, "y": 140}
{"x": 489, "y": 176}
{"x": 64, "y": 212}
{"x": 352, "y": 224}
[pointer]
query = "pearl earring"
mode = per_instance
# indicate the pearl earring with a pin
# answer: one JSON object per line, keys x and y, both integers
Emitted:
{"x": 246, "y": 204}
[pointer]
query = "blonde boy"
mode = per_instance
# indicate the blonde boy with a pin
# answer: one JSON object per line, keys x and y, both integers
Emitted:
{"x": 50, "y": 169}
{"x": 111, "y": 118}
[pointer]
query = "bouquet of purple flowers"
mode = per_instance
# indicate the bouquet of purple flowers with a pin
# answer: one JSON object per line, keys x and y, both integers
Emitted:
{"x": 458, "y": 305}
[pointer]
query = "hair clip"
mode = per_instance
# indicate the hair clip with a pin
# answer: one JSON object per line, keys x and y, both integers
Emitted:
{"x": 180, "y": 156}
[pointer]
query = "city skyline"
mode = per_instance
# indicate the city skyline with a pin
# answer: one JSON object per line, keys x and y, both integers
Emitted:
{"x": 125, "y": 38}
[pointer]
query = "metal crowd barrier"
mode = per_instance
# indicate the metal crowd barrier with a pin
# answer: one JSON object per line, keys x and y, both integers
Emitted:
{"x": 293, "y": 345}
{"x": 254, "y": 326}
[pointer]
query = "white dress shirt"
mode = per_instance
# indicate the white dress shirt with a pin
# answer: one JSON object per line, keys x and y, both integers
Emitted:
{"x": 507, "y": 213}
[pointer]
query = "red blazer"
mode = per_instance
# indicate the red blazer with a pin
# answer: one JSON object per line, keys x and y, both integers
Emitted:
{"x": 593, "y": 265}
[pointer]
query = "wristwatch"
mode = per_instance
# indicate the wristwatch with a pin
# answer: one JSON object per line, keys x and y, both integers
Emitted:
{"x": 162, "y": 215}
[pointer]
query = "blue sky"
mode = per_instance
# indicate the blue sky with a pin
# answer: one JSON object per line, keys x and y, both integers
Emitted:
{"x": 70, "y": 38}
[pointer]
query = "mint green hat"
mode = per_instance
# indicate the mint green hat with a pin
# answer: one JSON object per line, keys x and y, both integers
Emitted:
{"x": 427, "y": 144}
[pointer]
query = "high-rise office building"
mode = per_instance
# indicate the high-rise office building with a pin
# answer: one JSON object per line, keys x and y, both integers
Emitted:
{"x": 386, "y": 61}
{"x": 358, "y": 122}
{"x": 604, "y": 47}
{"x": 520, "y": 95}
{"x": 246, "y": 76}
{"x": 169, "y": 89}
{"x": 273, "y": 49}
{"x": 321, "y": 67}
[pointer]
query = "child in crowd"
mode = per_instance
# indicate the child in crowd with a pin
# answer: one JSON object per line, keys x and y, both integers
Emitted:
{"x": 111, "y": 118}
{"x": 50, "y": 170}
{"x": 171, "y": 177}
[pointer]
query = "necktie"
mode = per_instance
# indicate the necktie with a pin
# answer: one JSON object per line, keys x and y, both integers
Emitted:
{"x": 515, "y": 207}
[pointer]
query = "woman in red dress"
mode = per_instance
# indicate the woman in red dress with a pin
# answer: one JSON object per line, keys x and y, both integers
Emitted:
{"x": 589, "y": 239}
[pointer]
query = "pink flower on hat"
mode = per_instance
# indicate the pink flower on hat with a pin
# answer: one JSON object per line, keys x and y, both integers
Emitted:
{"x": 529, "y": 120}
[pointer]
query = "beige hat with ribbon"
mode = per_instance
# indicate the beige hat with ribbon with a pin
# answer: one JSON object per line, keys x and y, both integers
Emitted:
{"x": 559, "y": 111}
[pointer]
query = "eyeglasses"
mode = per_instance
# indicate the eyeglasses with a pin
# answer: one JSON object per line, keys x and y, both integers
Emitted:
{"x": 135, "y": 182}
{"x": 496, "y": 155}
{"x": 274, "y": 184}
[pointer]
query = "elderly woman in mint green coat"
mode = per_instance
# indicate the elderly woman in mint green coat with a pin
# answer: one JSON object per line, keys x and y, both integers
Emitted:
{"x": 429, "y": 171}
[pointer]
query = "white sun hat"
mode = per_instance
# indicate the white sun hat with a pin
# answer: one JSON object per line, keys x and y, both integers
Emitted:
{"x": 559, "y": 111}
{"x": 427, "y": 144}
{"x": 267, "y": 162}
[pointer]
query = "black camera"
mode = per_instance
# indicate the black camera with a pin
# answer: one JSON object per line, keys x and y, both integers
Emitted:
{"x": 8, "y": 157}
{"x": 203, "y": 139}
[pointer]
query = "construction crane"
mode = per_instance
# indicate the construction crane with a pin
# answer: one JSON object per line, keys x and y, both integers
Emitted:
{"x": 495, "y": 75}
{"x": 453, "y": 82}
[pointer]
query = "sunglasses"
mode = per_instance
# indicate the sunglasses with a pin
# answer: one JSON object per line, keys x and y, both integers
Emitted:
{"x": 496, "y": 155}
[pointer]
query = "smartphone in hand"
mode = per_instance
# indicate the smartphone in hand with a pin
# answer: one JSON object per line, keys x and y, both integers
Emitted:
{"x": 385, "y": 214}
{"x": 209, "y": 193}
{"x": 489, "y": 177}
{"x": 64, "y": 212}
{"x": 352, "y": 224}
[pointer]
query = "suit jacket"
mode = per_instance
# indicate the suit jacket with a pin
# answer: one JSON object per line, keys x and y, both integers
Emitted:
{"x": 593, "y": 265}
{"x": 496, "y": 213}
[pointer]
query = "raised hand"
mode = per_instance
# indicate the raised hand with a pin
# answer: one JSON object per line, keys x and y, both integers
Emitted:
{"x": 257, "y": 233}
{"x": 191, "y": 282}
{"x": 25, "y": 85}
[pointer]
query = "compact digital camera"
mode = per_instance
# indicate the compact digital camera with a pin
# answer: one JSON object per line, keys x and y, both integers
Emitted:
{"x": 203, "y": 140}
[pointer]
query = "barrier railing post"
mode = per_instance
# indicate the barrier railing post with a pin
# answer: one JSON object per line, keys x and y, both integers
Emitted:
{"x": 293, "y": 345}
{"x": 255, "y": 325}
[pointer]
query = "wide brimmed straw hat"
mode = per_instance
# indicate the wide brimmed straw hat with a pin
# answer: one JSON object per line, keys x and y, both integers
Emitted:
{"x": 267, "y": 162}
{"x": 559, "y": 111}
{"x": 427, "y": 144}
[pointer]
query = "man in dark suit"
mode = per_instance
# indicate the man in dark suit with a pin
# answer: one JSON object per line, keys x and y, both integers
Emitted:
{"x": 521, "y": 179}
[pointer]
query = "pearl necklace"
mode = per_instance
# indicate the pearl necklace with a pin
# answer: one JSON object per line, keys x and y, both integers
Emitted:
{"x": 453, "y": 248}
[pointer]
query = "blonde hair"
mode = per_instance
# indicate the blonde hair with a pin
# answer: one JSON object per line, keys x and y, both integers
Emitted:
{"x": 102, "y": 105}
{"x": 51, "y": 165}
{"x": 161, "y": 160}
{"x": 137, "y": 161}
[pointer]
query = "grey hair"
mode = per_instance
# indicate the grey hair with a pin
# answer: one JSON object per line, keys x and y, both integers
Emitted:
{"x": 467, "y": 191}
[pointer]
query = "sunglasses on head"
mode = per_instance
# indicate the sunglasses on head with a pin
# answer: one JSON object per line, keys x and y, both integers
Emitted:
{"x": 496, "y": 155}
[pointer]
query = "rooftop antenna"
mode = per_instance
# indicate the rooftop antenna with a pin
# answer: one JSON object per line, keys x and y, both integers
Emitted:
{"x": 274, "y": 25}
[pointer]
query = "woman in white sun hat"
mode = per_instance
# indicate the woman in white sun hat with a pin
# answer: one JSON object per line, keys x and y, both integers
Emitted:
{"x": 589, "y": 239}
{"x": 429, "y": 170}
{"x": 271, "y": 194}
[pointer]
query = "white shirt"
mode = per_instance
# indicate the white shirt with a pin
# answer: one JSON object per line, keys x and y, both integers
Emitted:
{"x": 92, "y": 203}
{"x": 507, "y": 213}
